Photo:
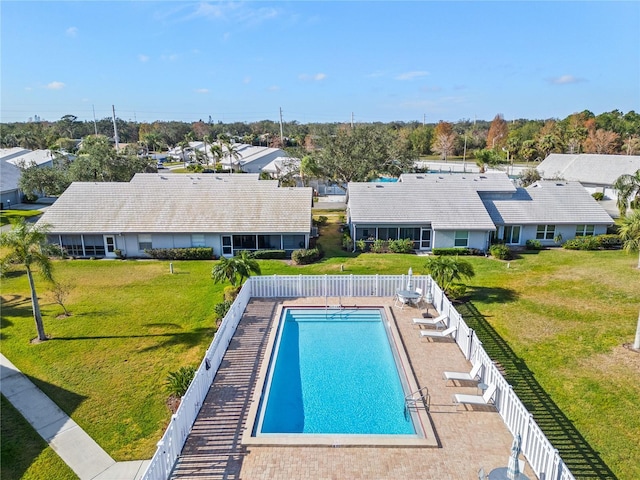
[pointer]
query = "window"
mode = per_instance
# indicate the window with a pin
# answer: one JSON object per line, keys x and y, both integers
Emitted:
{"x": 244, "y": 242}
{"x": 545, "y": 232}
{"x": 197, "y": 240}
{"x": 412, "y": 233}
{"x": 511, "y": 235}
{"x": 293, "y": 242}
{"x": 269, "y": 242}
{"x": 94, "y": 245}
{"x": 461, "y": 238}
{"x": 227, "y": 249}
{"x": 365, "y": 233}
{"x": 144, "y": 242}
{"x": 385, "y": 233}
{"x": 584, "y": 230}
{"x": 72, "y": 244}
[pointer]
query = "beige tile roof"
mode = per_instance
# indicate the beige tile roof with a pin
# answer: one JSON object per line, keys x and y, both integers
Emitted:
{"x": 174, "y": 205}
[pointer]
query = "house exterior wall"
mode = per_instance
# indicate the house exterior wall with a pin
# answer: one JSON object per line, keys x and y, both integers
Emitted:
{"x": 447, "y": 239}
{"x": 9, "y": 198}
{"x": 529, "y": 232}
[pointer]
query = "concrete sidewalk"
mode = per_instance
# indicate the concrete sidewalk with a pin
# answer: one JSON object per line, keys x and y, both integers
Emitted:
{"x": 78, "y": 450}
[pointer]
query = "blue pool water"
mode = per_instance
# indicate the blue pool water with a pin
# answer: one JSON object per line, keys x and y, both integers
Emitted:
{"x": 334, "y": 373}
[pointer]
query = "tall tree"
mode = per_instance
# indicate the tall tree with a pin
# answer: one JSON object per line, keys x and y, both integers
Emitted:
{"x": 27, "y": 245}
{"x": 498, "y": 132}
{"x": 362, "y": 153}
{"x": 444, "y": 139}
{"x": 447, "y": 269}
{"x": 602, "y": 142}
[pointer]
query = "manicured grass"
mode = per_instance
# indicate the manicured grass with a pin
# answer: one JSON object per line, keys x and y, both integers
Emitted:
{"x": 25, "y": 455}
{"x": 7, "y": 215}
{"x": 555, "y": 320}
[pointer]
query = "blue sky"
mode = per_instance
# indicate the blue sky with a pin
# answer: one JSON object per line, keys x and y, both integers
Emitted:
{"x": 318, "y": 61}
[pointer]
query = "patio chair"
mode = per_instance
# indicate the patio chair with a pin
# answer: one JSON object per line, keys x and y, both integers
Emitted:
{"x": 485, "y": 399}
{"x": 472, "y": 376}
{"x": 440, "y": 321}
{"x": 400, "y": 301}
{"x": 438, "y": 333}
{"x": 420, "y": 299}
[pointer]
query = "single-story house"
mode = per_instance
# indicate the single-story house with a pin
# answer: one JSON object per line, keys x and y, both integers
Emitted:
{"x": 596, "y": 173}
{"x": 11, "y": 161}
{"x": 469, "y": 210}
{"x": 226, "y": 212}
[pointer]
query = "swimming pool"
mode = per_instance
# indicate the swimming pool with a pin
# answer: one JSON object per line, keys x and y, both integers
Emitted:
{"x": 335, "y": 376}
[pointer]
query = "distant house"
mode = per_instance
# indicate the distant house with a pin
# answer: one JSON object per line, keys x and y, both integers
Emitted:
{"x": 226, "y": 212}
{"x": 469, "y": 210}
{"x": 596, "y": 173}
{"x": 11, "y": 161}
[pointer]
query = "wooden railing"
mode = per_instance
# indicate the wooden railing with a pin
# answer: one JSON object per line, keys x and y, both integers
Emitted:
{"x": 540, "y": 453}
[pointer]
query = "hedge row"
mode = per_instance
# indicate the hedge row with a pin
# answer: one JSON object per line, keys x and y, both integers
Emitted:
{"x": 269, "y": 254}
{"x": 191, "y": 253}
{"x": 305, "y": 256}
{"x": 457, "y": 251}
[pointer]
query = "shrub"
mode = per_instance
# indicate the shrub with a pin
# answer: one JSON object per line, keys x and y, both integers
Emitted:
{"x": 452, "y": 251}
{"x": 347, "y": 242}
{"x": 320, "y": 221}
{"x": 305, "y": 256}
{"x": 500, "y": 251}
{"x": 379, "y": 246}
{"x": 230, "y": 293}
{"x": 401, "y": 245}
{"x": 598, "y": 195}
{"x": 610, "y": 241}
{"x": 221, "y": 309}
{"x": 192, "y": 253}
{"x": 178, "y": 382}
{"x": 362, "y": 245}
{"x": 456, "y": 290}
{"x": 533, "y": 244}
{"x": 582, "y": 243}
{"x": 269, "y": 254}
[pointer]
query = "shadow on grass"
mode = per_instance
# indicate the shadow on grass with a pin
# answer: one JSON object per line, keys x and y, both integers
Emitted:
{"x": 493, "y": 295}
{"x": 583, "y": 461}
{"x": 189, "y": 339}
{"x": 21, "y": 444}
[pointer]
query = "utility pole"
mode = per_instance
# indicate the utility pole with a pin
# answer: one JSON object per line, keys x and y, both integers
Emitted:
{"x": 281, "y": 134}
{"x": 351, "y": 120}
{"x": 95, "y": 125}
{"x": 424, "y": 119}
{"x": 115, "y": 128}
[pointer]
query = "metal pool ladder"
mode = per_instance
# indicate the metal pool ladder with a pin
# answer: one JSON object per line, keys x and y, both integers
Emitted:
{"x": 418, "y": 399}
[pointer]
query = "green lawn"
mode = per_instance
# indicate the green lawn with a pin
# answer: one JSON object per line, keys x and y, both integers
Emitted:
{"x": 7, "y": 215}
{"x": 555, "y": 320}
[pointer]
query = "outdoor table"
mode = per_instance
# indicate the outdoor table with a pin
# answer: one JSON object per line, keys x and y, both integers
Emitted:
{"x": 410, "y": 295}
{"x": 501, "y": 474}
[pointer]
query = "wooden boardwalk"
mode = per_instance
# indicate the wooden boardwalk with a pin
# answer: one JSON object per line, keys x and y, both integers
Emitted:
{"x": 468, "y": 439}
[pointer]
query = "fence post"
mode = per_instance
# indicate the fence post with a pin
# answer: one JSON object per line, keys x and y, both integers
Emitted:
{"x": 470, "y": 341}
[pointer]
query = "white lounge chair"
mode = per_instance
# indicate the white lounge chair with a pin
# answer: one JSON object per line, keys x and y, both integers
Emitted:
{"x": 471, "y": 376}
{"x": 485, "y": 399}
{"x": 438, "y": 333}
{"x": 440, "y": 321}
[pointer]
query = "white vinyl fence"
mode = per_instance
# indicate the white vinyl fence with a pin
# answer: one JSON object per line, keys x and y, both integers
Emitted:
{"x": 543, "y": 458}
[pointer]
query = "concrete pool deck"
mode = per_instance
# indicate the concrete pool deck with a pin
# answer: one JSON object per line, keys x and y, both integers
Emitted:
{"x": 468, "y": 439}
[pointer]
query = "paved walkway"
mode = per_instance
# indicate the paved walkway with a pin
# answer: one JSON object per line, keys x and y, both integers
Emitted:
{"x": 78, "y": 450}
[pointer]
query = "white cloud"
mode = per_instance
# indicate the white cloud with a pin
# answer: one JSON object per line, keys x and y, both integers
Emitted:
{"x": 143, "y": 58}
{"x": 55, "y": 86}
{"x": 201, "y": 90}
{"x": 71, "y": 31}
{"x": 273, "y": 88}
{"x": 565, "y": 79}
{"x": 246, "y": 80}
{"x": 236, "y": 13}
{"x": 170, "y": 58}
{"x": 318, "y": 77}
{"x": 412, "y": 75}
{"x": 375, "y": 74}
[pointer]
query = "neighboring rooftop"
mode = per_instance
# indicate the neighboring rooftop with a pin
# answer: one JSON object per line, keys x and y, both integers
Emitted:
{"x": 593, "y": 169}
{"x": 167, "y": 203}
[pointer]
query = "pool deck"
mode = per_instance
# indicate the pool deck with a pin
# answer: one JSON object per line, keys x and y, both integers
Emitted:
{"x": 468, "y": 439}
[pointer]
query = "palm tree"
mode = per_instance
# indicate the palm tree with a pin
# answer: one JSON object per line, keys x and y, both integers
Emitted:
{"x": 229, "y": 269}
{"x": 216, "y": 153}
{"x": 630, "y": 232}
{"x": 27, "y": 245}
{"x": 627, "y": 188}
{"x": 232, "y": 154}
{"x": 446, "y": 269}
